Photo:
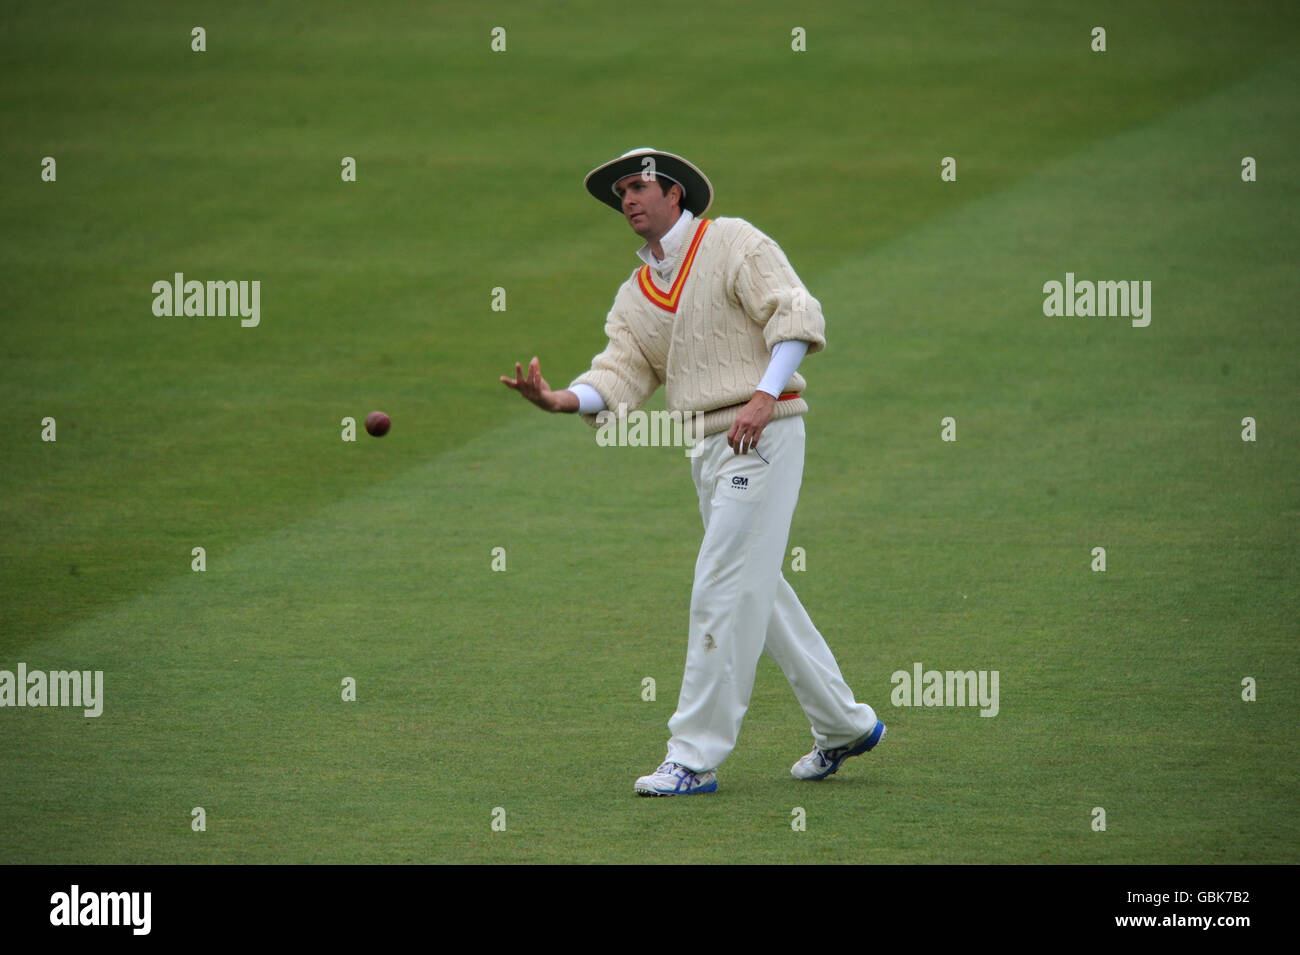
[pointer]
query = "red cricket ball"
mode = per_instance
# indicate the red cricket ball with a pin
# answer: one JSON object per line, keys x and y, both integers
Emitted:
{"x": 378, "y": 423}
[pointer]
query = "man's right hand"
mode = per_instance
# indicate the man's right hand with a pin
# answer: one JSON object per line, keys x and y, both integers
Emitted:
{"x": 536, "y": 390}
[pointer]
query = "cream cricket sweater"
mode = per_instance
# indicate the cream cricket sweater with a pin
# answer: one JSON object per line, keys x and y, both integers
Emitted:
{"x": 706, "y": 331}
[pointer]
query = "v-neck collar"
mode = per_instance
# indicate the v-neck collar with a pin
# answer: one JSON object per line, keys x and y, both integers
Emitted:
{"x": 667, "y": 300}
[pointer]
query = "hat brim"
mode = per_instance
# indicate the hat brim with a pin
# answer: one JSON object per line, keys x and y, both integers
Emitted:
{"x": 696, "y": 186}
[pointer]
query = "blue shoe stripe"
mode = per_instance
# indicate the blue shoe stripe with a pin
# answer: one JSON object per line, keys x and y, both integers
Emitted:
{"x": 686, "y": 783}
{"x": 874, "y": 738}
{"x": 867, "y": 744}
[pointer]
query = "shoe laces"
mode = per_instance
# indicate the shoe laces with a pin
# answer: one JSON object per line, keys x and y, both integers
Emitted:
{"x": 681, "y": 772}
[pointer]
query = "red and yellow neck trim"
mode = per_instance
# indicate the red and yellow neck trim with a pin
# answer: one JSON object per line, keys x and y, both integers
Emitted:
{"x": 668, "y": 300}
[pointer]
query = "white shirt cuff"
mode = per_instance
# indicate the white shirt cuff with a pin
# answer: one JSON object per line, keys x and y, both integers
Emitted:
{"x": 785, "y": 361}
{"x": 589, "y": 399}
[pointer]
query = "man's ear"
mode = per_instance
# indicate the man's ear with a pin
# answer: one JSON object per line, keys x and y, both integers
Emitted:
{"x": 679, "y": 194}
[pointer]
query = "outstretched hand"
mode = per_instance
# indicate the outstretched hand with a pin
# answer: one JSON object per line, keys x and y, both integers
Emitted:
{"x": 534, "y": 386}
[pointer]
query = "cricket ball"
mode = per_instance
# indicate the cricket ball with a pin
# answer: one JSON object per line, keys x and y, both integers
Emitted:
{"x": 378, "y": 423}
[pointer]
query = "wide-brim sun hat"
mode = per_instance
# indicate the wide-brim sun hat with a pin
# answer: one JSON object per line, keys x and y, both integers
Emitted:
{"x": 697, "y": 191}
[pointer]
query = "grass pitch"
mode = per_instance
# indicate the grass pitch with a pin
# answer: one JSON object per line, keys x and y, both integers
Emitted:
{"x": 522, "y": 690}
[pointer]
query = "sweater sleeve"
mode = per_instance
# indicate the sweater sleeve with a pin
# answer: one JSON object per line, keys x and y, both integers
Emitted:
{"x": 620, "y": 374}
{"x": 772, "y": 295}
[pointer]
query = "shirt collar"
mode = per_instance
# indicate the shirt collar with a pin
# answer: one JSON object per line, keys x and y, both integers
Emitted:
{"x": 671, "y": 243}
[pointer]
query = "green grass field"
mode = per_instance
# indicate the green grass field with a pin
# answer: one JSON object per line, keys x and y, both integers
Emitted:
{"x": 521, "y": 689}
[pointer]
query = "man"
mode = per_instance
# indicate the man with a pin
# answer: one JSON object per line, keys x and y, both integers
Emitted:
{"x": 720, "y": 319}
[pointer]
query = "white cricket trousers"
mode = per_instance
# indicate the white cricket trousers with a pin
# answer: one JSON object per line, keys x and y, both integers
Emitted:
{"x": 742, "y": 605}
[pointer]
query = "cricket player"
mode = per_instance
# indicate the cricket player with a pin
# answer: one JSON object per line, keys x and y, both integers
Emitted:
{"x": 717, "y": 316}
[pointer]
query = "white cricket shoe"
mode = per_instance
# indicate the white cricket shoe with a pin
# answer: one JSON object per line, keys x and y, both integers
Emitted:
{"x": 674, "y": 779}
{"x": 821, "y": 763}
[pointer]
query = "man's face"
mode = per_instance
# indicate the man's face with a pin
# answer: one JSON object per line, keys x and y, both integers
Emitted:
{"x": 649, "y": 211}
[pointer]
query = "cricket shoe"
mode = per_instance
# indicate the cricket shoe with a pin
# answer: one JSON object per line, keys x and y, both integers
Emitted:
{"x": 821, "y": 763}
{"x": 674, "y": 779}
